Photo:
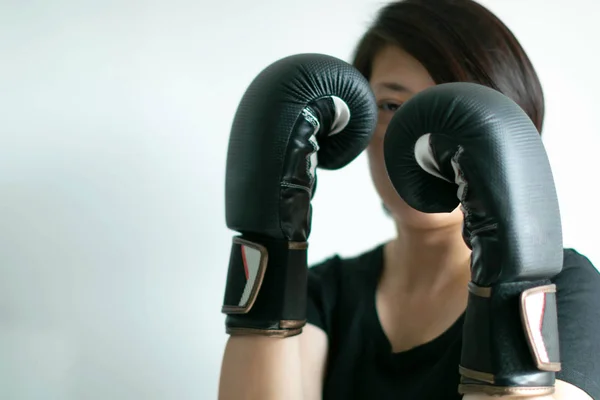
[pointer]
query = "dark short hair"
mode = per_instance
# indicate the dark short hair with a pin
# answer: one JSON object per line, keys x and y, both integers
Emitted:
{"x": 456, "y": 41}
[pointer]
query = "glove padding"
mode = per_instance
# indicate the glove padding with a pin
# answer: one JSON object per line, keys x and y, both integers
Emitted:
{"x": 469, "y": 144}
{"x": 301, "y": 112}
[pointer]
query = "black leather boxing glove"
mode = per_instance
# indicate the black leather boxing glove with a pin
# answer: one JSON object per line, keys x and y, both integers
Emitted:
{"x": 463, "y": 142}
{"x": 301, "y": 112}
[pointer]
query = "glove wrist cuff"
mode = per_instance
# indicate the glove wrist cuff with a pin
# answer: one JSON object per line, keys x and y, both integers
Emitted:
{"x": 266, "y": 287}
{"x": 473, "y": 386}
{"x": 510, "y": 339}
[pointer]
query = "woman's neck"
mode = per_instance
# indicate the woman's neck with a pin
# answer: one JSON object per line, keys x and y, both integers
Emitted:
{"x": 427, "y": 259}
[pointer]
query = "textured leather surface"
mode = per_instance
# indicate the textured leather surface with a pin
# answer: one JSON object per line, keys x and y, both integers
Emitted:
{"x": 511, "y": 200}
{"x": 484, "y": 153}
{"x": 300, "y": 113}
{"x": 265, "y": 133}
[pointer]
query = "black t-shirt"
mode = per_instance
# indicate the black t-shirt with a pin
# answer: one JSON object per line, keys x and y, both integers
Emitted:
{"x": 361, "y": 364}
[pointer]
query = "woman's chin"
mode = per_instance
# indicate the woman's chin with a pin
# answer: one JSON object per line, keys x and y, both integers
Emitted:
{"x": 405, "y": 215}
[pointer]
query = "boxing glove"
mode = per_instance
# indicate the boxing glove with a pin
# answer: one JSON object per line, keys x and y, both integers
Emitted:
{"x": 301, "y": 112}
{"x": 463, "y": 143}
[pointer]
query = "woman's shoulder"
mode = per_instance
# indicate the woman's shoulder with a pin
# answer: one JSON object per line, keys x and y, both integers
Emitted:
{"x": 336, "y": 283}
{"x": 578, "y": 296}
{"x": 338, "y": 276}
{"x": 370, "y": 261}
{"x": 577, "y": 269}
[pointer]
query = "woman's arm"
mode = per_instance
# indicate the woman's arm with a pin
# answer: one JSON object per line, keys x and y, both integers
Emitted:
{"x": 261, "y": 367}
{"x": 313, "y": 357}
{"x": 266, "y": 368}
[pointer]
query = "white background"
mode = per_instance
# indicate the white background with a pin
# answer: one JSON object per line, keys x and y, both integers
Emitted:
{"x": 114, "y": 121}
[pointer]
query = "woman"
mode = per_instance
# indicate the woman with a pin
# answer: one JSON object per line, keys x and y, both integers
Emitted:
{"x": 388, "y": 323}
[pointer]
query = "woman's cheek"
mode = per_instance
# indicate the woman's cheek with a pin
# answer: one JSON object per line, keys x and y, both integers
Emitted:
{"x": 378, "y": 171}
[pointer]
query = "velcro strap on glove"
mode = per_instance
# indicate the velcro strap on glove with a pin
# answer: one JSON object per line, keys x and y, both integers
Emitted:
{"x": 510, "y": 340}
{"x": 266, "y": 287}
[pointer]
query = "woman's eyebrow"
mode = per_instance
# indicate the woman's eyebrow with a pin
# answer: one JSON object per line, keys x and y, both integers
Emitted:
{"x": 396, "y": 87}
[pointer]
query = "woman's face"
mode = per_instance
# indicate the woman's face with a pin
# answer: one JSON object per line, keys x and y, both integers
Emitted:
{"x": 396, "y": 77}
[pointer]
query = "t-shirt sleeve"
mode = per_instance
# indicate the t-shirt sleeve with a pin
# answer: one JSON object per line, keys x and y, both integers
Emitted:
{"x": 322, "y": 292}
{"x": 578, "y": 297}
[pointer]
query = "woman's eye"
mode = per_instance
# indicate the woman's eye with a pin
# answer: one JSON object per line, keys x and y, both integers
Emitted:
{"x": 391, "y": 107}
